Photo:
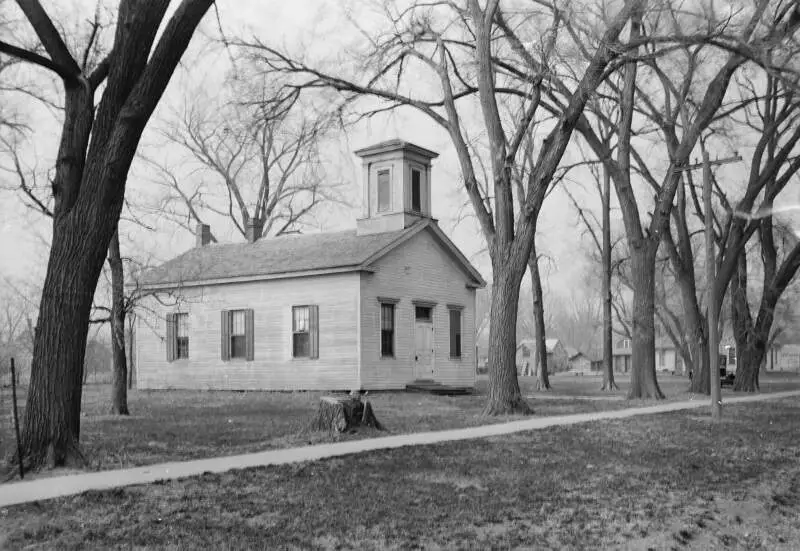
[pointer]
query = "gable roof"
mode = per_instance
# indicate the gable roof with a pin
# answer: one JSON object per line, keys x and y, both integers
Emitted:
{"x": 549, "y": 344}
{"x": 289, "y": 256}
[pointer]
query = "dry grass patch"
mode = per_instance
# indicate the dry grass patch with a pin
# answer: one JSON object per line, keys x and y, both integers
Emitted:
{"x": 663, "y": 481}
{"x": 180, "y": 425}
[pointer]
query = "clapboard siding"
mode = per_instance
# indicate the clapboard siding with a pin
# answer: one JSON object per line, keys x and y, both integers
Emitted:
{"x": 669, "y": 358}
{"x": 419, "y": 269}
{"x": 784, "y": 358}
{"x": 273, "y": 367}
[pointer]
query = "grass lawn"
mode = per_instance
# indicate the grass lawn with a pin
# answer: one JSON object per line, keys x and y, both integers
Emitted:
{"x": 180, "y": 425}
{"x": 663, "y": 481}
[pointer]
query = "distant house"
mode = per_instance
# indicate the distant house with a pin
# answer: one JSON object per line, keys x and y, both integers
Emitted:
{"x": 784, "y": 357}
{"x": 557, "y": 359}
{"x": 377, "y": 307}
{"x": 667, "y": 357}
{"x": 621, "y": 355}
{"x": 595, "y": 356}
{"x": 579, "y": 363}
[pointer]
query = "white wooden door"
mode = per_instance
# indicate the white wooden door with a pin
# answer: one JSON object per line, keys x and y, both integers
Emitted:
{"x": 423, "y": 350}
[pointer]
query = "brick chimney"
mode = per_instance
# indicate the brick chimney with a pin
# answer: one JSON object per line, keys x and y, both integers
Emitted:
{"x": 253, "y": 230}
{"x": 203, "y": 235}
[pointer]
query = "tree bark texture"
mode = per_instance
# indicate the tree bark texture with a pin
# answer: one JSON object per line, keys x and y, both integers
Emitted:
{"x": 96, "y": 150}
{"x": 643, "y": 361}
{"x": 749, "y": 359}
{"x": 743, "y": 328}
{"x": 52, "y": 413}
{"x": 119, "y": 376}
{"x": 343, "y": 414}
{"x": 608, "y": 337}
{"x": 701, "y": 374}
{"x": 504, "y": 393}
{"x": 539, "y": 335}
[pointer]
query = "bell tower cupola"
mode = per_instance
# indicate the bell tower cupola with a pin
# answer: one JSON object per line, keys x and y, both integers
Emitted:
{"x": 397, "y": 186}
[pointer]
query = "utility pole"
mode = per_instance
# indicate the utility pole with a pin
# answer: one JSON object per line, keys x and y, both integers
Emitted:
{"x": 711, "y": 279}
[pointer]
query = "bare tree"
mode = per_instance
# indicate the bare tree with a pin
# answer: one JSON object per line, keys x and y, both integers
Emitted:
{"x": 261, "y": 147}
{"x": 36, "y": 196}
{"x": 759, "y": 30}
{"x": 769, "y": 109}
{"x": 753, "y": 336}
{"x": 17, "y": 311}
{"x": 604, "y": 248}
{"x": 485, "y": 53}
{"x": 97, "y": 146}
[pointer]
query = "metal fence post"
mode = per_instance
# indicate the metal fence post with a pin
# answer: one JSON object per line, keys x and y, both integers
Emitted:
{"x": 16, "y": 417}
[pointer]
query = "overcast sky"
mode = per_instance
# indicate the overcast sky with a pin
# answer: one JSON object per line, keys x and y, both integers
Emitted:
{"x": 312, "y": 26}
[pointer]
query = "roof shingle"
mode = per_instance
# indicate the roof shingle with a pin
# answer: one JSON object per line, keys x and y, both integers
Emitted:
{"x": 272, "y": 256}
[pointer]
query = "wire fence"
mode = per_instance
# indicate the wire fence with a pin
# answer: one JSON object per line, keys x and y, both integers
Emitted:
{"x": 94, "y": 374}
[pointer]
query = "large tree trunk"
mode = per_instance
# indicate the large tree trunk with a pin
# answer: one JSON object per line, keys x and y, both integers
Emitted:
{"x": 643, "y": 359}
{"x": 750, "y": 357}
{"x": 119, "y": 379}
{"x": 52, "y": 413}
{"x": 504, "y": 394}
{"x": 743, "y": 329}
{"x": 539, "y": 335}
{"x": 701, "y": 374}
{"x": 97, "y": 147}
{"x": 608, "y": 337}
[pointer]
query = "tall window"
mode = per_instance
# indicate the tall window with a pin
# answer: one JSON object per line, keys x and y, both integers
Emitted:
{"x": 238, "y": 334}
{"x": 455, "y": 333}
{"x": 177, "y": 336}
{"x": 416, "y": 190}
{"x": 387, "y": 330}
{"x": 238, "y": 340}
{"x": 182, "y": 335}
{"x": 384, "y": 190}
{"x": 300, "y": 333}
{"x": 305, "y": 332}
{"x": 662, "y": 358}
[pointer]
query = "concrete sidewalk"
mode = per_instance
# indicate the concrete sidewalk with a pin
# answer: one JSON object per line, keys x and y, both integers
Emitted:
{"x": 48, "y": 488}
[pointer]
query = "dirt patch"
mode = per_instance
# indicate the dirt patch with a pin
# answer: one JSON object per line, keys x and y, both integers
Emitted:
{"x": 458, "y": 482}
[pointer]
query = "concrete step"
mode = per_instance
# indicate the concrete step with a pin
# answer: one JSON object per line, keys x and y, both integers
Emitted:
{"x": 433, "y": 387}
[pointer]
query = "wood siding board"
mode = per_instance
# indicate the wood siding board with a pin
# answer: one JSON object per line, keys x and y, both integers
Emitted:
{"x": 249, "y": 322}
{"x": 416, "y": 271}
{"x": 314, "y": 331}
{"x": 225, "y": 335}
{"x": 171, "y": 340}
{"x": 273, "y": 367}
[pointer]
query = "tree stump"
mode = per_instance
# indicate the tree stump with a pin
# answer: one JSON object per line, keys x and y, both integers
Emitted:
{"x": 342, "y": 414}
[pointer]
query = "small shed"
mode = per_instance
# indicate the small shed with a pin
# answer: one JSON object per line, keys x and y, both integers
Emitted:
{"x": 579, "y": 363}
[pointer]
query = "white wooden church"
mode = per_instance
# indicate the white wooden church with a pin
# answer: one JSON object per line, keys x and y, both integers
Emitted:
{"x": 377, "y": 307}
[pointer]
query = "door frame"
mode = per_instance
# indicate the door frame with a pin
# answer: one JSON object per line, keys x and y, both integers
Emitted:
{"x": 431, "y": 372}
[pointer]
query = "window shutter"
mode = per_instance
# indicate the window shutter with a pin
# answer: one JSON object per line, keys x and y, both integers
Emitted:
{"x": 313, "y": 331}
{"x": 248, "y": 332}
{"x": 225, "y": 332}
{"x": 455, "y": 333}
{"x": 171, "y": 340}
